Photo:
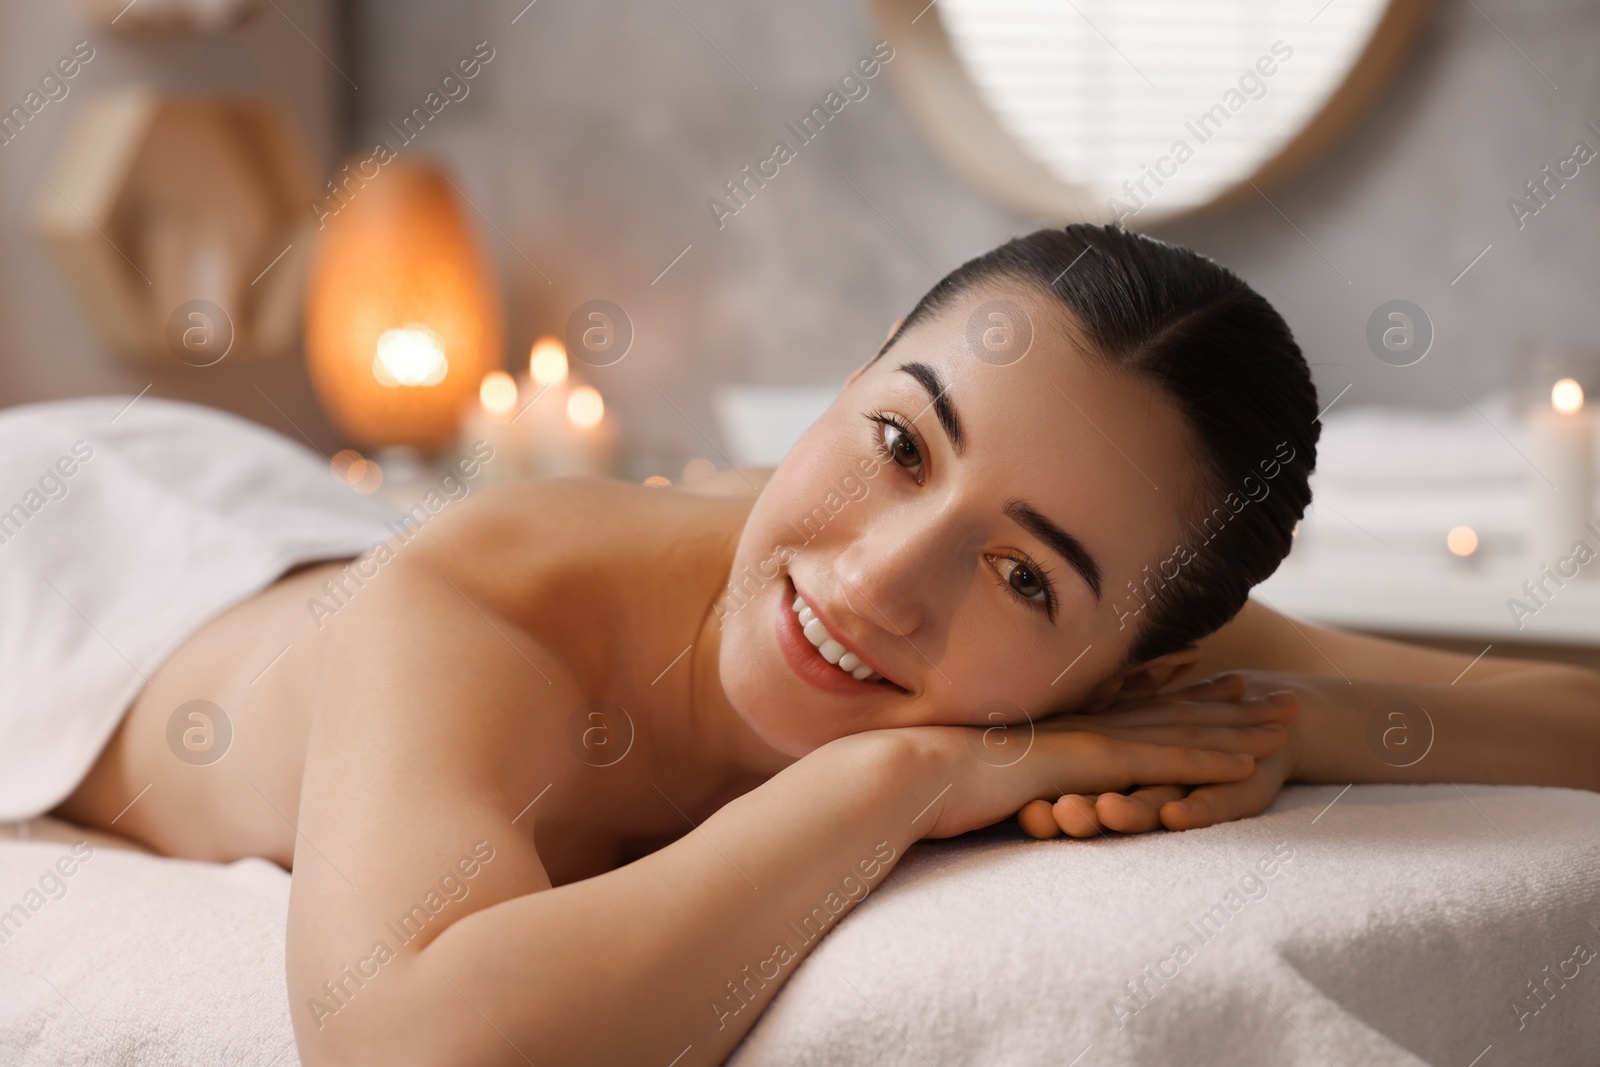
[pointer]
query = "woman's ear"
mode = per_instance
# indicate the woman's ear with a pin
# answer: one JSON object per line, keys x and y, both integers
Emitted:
{"x": 1145, "y": 678}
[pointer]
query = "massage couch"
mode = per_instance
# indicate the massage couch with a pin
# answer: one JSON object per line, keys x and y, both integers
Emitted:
{"x": 1374, "y": 926}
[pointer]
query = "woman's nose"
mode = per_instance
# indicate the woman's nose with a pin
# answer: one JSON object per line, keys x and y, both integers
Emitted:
{"x": 888, "y": 572}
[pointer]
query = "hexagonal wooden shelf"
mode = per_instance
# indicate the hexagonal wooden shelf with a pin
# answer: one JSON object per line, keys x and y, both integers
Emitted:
{"x": 159, "y": 205}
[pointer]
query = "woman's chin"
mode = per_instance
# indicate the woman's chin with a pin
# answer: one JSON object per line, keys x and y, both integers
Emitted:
{"x": 780, "y": 728}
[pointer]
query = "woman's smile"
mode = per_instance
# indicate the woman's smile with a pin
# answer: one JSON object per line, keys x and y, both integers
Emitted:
{"x": 817, "y": 654}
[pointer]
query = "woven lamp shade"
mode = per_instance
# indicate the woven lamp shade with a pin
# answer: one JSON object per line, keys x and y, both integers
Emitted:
{"x": 402, "y": 315}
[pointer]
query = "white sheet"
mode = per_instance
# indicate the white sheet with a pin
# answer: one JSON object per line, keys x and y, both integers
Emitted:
{"x": 1401, "y": 932}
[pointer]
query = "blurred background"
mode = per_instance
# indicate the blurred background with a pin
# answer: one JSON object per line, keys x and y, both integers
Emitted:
{"x": 339, "y": 218}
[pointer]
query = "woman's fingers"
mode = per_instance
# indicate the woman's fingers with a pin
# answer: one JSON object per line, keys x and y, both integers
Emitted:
{"x": 1224, "y": 802}
{"x": 1081, "y": 816}
{"x": 1137, "y": 812}
{"x": 1075, "y": 814}
{"x": 1109, "y": 765}
{"x": 1037, "y": 820}
{"x": 1278, "y": 706}
{"x": 1228, "y": 686}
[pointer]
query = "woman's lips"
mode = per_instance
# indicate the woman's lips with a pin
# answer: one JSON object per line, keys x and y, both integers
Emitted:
{"x": 803, "y": 657}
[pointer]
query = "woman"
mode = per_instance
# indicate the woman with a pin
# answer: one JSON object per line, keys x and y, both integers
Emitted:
{"x": 558, "y": 769}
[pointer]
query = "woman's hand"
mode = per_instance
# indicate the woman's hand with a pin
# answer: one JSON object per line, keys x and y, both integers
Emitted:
{"x": 1239, "y": 711}
{"x": 977, "y": 777}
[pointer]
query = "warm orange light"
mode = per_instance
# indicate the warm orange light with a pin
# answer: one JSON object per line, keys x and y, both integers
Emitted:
{"x": 408, "y": 356}
{"x": 402, "y": 315}
{"x": 548, "y": 361}
{"x": 356, "y": 471}
{"x": 1462, "y": 541}
{"x": 498, "y": 394}
{"x": 1566, "y": 396}
{"x": 656, "y": 481}
{"x": 585, "y": 408}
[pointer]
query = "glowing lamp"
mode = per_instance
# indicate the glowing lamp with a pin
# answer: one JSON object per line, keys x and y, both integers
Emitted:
{"x": 402, "y": 316}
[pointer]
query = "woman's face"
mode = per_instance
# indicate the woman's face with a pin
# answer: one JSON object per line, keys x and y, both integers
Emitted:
{"x": 967, "y": 522}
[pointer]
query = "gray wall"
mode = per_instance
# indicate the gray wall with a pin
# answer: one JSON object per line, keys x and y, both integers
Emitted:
{"x": 594, "y": 138}
{"x": 47, "y": 347}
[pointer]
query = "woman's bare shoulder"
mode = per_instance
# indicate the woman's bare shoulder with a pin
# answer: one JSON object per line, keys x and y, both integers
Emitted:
{"x": 582, "y": 554}
{"x": 582, "y": 511}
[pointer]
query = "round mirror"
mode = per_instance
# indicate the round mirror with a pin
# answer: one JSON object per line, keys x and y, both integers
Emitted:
{"x": 1138, "y": 110}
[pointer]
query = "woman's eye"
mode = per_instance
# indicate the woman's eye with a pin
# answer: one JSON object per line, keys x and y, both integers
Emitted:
{"x": 898, "y": 445}
{"x": 1023, "y": 579}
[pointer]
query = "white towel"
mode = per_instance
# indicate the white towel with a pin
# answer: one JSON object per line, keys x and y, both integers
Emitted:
{"x": 1404, "y": 930}
{"x": 139, "y": 961}
{"x": 1425, "y": 447}
{"x": 123, "y": 529}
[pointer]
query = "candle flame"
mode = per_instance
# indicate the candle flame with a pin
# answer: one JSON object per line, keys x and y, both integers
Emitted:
{"x": 585, "y": 407}
{"x": 1567, "y": 396}
{"x": 1462, "y": 541}
{"x": 498, "y": 393}
{"x": 548, "y": 361}
{"x": 410, "y": 355}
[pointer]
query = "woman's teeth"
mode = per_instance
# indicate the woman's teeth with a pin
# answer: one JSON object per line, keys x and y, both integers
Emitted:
{"x": 831, "y": 650}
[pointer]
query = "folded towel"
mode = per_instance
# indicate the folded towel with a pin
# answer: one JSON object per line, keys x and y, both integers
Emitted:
{"x": 1385, "y": 445}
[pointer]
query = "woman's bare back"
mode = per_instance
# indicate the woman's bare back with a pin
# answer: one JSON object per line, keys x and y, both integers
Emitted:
{"x": 233, "y": 790}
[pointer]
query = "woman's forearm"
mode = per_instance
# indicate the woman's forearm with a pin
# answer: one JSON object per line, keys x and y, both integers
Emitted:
{"x": 683, "y": 948}
{"x": 1539, "y": 725}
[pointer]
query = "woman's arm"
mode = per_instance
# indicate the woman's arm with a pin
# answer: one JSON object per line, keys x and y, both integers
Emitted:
{"x": 1539, "y": 725}
{"x": 1259, "y": 638}
{"x": 421, "y": 768}
{"x": 1487, "y": 719}
{"x": 1371, "y": 710}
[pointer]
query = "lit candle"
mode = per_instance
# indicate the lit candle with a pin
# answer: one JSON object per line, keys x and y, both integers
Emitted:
{"x": 1562, "y": 438}
{"x": 582, "y": 440}
{"x": 541, "y": 410}
{"x": 489, "y": 421}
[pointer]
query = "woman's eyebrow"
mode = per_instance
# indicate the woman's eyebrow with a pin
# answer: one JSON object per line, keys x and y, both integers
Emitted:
{"x": 1026, "y": 515}
{"x": 929, "y": 379}
{"x": 1066, "y": 546}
